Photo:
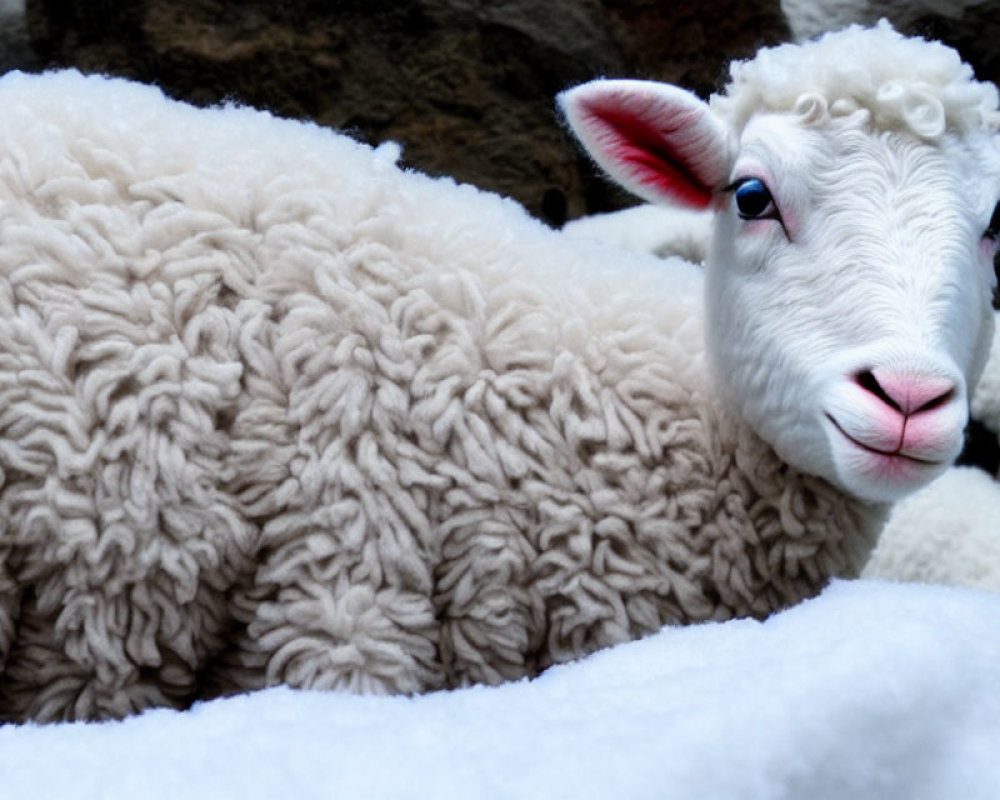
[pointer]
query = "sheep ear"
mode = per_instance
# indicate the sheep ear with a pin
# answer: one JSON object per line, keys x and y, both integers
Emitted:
{"x": 659, "y": 142}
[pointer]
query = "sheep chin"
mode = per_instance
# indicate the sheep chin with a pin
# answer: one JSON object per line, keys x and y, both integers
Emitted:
{"x": 879, "y": 477}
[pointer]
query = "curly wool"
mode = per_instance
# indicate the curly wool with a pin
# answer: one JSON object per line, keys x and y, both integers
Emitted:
{"x": 273, "y": 410}
{"x": 903, "y": 83}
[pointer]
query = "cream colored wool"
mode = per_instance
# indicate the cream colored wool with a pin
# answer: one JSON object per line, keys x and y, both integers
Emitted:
{"x": 274, "y": 411}
{"x": 946, "y": 533}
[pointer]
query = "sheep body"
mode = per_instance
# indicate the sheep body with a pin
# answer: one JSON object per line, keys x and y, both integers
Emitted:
{"x": 277, "y": 412}
{"x": 274, "y": 410}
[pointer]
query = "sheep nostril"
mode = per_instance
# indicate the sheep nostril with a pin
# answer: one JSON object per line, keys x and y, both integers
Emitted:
{"x": 936, "y": 402}
{"x": 906, "y": 394}
{"x": 866, "y": 380}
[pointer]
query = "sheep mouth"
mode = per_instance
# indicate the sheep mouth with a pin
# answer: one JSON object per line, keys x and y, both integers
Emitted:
{"x": 897, "y": 453}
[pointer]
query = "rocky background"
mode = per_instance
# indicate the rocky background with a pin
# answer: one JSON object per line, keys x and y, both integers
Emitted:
{"x": 466, "y": 86}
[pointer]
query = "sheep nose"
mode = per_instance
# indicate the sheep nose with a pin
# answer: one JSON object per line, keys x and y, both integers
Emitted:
{"x": 908, "y": 394}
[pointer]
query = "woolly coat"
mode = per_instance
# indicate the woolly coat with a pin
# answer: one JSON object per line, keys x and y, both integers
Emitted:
{"x": 274, "y": 410}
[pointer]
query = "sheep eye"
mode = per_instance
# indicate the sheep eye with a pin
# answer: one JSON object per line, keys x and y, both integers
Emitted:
{"x": 753, "y": 200}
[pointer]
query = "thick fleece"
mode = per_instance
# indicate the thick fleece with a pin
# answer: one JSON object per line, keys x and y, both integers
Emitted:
{"x": 275, "y": 411}
{"x": 947, "y": 533}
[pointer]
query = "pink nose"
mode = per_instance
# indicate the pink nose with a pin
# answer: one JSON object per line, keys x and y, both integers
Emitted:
{"x": 907, "y": 394}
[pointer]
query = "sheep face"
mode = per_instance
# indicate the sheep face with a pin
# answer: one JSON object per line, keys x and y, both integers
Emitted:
{"x": 848, "y": 289}
{"x": 849, "y": 276}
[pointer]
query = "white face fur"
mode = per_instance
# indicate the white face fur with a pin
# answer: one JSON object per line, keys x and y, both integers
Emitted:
{"x": 848, "y": 281}
{"x": 849, "y": 319}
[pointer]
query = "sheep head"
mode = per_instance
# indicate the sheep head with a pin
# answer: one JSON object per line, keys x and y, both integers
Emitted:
{"x": 850, "y": 274}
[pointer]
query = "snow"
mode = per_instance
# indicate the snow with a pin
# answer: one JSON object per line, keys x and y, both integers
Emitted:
{"x": 872, "y": 690}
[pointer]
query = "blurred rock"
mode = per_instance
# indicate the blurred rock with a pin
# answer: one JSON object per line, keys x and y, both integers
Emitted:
{"x": 15, "y": 50}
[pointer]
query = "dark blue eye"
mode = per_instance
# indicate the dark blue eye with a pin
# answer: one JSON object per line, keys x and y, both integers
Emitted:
{"x": 753, "y": 200}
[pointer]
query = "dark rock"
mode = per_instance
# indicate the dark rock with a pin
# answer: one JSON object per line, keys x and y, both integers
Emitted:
{"x": 15, "y": 49}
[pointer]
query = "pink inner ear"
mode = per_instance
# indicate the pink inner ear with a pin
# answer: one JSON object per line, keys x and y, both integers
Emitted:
{"x": 663, "y": 157}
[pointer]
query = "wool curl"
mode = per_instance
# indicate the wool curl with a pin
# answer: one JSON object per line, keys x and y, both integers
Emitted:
{"x": 901, "y": 83}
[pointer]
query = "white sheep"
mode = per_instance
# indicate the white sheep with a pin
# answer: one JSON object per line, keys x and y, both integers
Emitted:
{"x": 273, "y": 410}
